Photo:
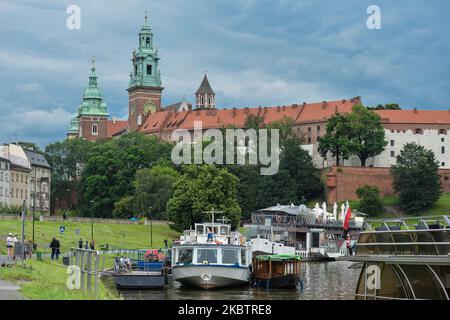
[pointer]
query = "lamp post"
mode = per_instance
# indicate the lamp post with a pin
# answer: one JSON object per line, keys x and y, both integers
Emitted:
{"x": 92, "y": 219}
{"x": 151, "y": 226}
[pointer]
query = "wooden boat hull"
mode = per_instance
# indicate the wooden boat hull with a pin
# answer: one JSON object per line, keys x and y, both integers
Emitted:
{"x": 210, "y": 277}
{"x": 290, "y": 281}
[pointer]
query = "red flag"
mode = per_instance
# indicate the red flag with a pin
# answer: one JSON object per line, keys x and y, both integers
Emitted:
{"x": 347, "y": 218}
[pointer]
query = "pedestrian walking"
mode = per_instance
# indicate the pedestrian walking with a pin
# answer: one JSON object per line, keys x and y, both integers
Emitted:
{"x": 10, "y": 244}
{"x": 86, "y": 245}
{"x": 55, "y": 245}
{"x": 80, "y": 243}
{"x": 349, "y": 246}
{"x": 92, "y": 244}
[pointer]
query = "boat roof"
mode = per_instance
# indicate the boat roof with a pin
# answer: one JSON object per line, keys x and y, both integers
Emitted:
{"x": 208, "y": 245}
{"x": 289, "y": 209}
{"x": 278, "y": 257}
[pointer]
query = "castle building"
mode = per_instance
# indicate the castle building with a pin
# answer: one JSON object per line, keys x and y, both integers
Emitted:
{"x": 147, "y": 115}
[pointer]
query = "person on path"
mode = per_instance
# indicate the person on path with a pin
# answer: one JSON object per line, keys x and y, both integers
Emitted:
{"x": 92, "y": 244}
{"x": 80, "y": 243}
{"x": 86, "y": 245}
{"x": 10, "y": 244}
{"x": 349, "y": 245}
{"x": 55, "y": 245}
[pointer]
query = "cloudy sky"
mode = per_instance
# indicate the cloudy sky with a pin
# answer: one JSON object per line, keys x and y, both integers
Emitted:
{"x": 256, "y": 52}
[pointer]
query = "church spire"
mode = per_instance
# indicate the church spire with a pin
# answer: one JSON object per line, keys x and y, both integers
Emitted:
{"x": 205, "y": 96}
{"x": 93, "y": 76}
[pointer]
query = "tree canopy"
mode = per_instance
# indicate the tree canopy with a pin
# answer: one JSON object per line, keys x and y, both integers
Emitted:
{"x": 416, "y": 178}
{"x": 202, "y": 188}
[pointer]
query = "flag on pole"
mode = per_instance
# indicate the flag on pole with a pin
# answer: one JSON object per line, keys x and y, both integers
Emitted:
{"x": 348, "y": 214}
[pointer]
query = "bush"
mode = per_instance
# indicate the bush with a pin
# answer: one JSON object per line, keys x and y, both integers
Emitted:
{"x": 370, "y": 202}
{"x": 10, "y": 209}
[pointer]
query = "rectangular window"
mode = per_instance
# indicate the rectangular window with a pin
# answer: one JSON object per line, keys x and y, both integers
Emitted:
{"x": 185, "y": 255}
{"x": 392, "y": 143}
{"x": 206, "y": 256}
{"x": 1, "y": 191}
{"x": 442, "y": 164}
{"x": 230, "y": 256}
{"x": 135, "y": 69}
{"x": 94, "y": 130}
{"x": 149, "y": 69}
{"x": 392, "y": 153}
{"x": 442, "y": 149}
{"x": 318, "y": 128}
{"x": 1, "y": 176}
{"x": 442, "y": 139}
{"x": 309, "y": 140}
{"x": 309, "y": 129}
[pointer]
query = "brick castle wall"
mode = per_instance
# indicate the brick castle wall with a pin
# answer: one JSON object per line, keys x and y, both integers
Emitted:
{"x": 342, "y": 182}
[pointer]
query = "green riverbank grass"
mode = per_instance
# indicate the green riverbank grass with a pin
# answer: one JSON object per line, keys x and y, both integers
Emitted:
{"x": 117, "y": 236}
{"x": 46, "y": 280}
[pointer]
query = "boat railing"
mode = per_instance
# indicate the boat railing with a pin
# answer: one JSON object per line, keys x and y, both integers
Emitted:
{"x": 408, "y": 223}
{"x": 410, "y": 236}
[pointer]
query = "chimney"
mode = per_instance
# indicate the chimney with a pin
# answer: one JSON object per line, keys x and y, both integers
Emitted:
{"x": 324, "y": 104}
{"x": 343, "y": 100}
{"x": 246, "y": 110}
{"x": 415, "y": 110}
{"x": 304, "y": 103}
{"x": 234, "y": 112}
{"x": 284, "y": 107}
{"x": 294, "y": 105}
{"x": 114, "y": 120}
{"x": 278, "y": 108}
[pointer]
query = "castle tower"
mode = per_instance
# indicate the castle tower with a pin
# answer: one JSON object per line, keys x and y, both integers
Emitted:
{"x": 205, "y": 96}
{"x": 144, "y": 90}
{"x": 93, "y": 111}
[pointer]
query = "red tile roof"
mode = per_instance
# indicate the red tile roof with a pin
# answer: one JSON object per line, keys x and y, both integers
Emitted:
{"x": 115, "y": 126}
{"x": 414, "y": 116}
{"x": 219, "y": 118}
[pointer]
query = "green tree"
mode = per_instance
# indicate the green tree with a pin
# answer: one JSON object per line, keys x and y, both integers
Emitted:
{"x": 336, "y": 139}
{"x": 124, "y": 208}
{"x": 416, "y": 178}
{"x": 202, "y": 188}
{"x": 370, "y": 201}
{"x": 366, "y": 133}
{"x": 154, "y": 187}
{"x": 111, "y": 169}
{"x": 387, "y": 106}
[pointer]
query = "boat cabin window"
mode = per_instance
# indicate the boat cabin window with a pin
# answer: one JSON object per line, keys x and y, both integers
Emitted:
{"x": 206, "y": 256}
{"x": 200, "y": 229}
{"x": 223, "y": 230}
{"x": 185, "y": 255}
{"x": 243, "y": 257}
{"x": 230, "y": 256}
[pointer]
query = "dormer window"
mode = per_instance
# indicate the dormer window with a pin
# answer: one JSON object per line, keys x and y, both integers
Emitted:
{"x": 94, "y": 129}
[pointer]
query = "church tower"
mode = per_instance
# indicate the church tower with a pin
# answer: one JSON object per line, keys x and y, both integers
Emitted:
{"x": 144, "y": 90}
{"x": 93, "y": 111}
{"x": 205, "y": 96}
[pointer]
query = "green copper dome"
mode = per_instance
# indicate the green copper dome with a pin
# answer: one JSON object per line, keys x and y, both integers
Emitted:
{"x": 73, "y": 125}
{"x": 145, "y": 61}
{"x": 93, "y": 103}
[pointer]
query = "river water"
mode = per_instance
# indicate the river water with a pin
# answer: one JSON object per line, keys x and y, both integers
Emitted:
{"x": 322, "y": 281}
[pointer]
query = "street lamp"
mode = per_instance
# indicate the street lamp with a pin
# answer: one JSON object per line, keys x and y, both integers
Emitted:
{"x": 92, "y": 219}
{"x": 151, "y": 226}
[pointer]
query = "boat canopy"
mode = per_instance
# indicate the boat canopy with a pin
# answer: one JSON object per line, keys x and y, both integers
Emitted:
{"x": 278, "y": 257}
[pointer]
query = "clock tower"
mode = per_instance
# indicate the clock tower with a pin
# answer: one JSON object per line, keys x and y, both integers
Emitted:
{"x": 145, "y": 88}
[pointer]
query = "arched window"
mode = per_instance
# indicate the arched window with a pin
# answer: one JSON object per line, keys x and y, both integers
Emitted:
{"x": 139, "y": 120}
{"x": 94, "y": 129}
{"x": 418, "y": 131}
{"x": 202, "y": 101}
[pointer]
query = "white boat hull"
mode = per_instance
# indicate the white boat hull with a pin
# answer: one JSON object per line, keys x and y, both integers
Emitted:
{"x": 209, "y": 277}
